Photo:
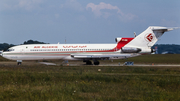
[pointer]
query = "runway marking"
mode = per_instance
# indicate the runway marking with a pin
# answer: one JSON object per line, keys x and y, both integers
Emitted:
{"x": 146, "y": 65}
{"x": 134, "y": 74}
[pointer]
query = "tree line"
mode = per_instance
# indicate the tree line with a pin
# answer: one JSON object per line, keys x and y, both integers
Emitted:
{"x": 5, "y": 46}
{"x": 167, "y": 48}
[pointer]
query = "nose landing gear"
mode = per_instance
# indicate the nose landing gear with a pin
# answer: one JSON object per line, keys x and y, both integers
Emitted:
{"x": 19, "y": 62}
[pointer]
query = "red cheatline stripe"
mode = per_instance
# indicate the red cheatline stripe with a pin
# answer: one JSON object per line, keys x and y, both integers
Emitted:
{"x": 120, "y": 44}
{"x": 64, "y": 52}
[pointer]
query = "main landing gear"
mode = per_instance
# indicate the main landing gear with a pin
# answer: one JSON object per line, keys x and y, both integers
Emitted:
{"x": 96, "y": 62}
{"x": 88, "y": 62}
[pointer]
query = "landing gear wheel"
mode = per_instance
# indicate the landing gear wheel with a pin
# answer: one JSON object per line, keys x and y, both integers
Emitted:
{"x": 96, "y": 63}
{"x": 88, "y": 63}
{"x": 19, "y": 63}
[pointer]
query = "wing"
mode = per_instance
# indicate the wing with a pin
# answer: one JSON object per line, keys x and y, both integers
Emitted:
{"x": 102, "y": 56}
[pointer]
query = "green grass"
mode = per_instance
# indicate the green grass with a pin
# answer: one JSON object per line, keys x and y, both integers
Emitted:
{"x": 78, "y": 83}
{"x": 143, "y": 59}
{"x": 154, "y": 58}
{"x": 40, "y": 82}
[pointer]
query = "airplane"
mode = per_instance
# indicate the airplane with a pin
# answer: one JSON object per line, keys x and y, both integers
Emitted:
{"x": 124, "y": 48}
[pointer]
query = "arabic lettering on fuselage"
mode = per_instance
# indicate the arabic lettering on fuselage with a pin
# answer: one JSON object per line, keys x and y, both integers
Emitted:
{"x": 74, "y": 46}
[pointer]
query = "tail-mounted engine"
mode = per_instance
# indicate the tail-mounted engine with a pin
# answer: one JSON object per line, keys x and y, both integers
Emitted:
{"x": 130, "y": 50}
{"x": 118, "y": 39}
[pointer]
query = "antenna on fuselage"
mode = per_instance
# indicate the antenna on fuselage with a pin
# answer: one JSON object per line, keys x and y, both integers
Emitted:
{"x": 134, "y": 34}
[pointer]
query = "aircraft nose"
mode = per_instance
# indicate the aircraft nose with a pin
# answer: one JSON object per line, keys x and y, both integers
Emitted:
{"x": 1, "y": 53}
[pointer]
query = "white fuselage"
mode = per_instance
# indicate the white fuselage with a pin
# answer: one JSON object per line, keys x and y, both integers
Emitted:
{"x": 56, "y": 51}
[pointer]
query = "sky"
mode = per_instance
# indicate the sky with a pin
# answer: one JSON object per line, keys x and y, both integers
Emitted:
{"x": 85, "y": 21}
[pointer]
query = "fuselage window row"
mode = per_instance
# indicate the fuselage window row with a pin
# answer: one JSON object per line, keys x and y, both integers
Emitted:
{"x": 68, "y": 49}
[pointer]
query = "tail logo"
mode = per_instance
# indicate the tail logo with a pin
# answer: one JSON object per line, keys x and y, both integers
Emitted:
{"x": 149, "y": 37}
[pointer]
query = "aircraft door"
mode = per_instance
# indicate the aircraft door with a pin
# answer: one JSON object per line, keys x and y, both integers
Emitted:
{"x": 22, "y": 50}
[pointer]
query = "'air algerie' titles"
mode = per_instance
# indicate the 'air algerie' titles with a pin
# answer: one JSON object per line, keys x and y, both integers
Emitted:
{"x": 45, "y": 46}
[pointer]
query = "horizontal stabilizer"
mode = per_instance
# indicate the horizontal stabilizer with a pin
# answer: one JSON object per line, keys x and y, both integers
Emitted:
{"x": 163, "y": 29}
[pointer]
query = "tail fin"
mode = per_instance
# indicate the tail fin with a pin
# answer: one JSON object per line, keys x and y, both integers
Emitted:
{"x": 149, "y": 37}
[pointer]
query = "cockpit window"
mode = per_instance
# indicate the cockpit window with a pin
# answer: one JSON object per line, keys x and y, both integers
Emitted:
{"x": 10, "y": 50}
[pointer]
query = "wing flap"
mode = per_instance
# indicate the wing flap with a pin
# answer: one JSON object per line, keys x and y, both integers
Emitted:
{"x": 102, "y": 56}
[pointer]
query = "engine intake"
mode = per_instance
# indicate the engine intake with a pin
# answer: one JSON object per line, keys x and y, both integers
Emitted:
{"x": 130, "y": 50}
{"x": 118, "y": 39}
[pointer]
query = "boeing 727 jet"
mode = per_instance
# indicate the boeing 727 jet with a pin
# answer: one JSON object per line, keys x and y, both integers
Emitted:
{"x": 124, "y": 48}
